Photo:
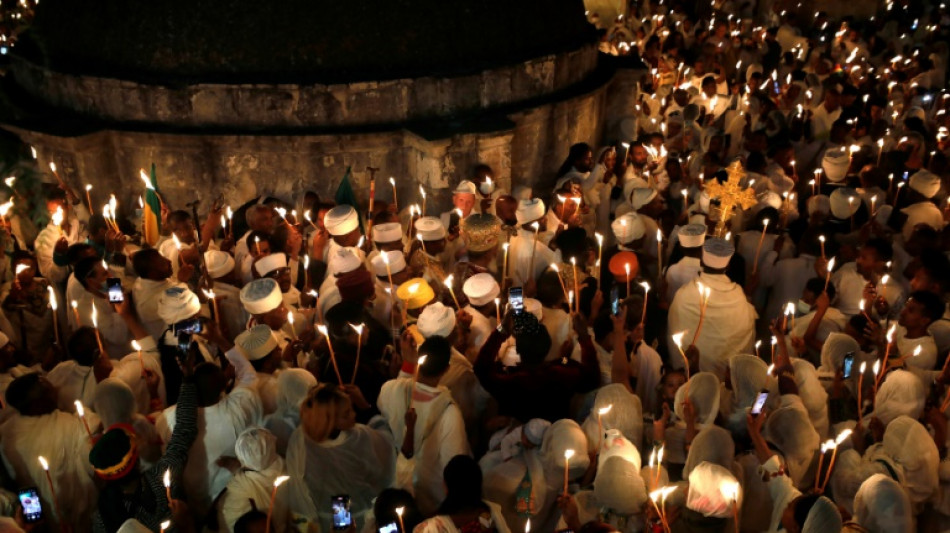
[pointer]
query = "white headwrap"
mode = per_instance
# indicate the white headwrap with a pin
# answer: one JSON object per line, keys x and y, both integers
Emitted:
{"x": 706, "y": 495}
{"x": 397, "y": 263}
{"x": 703, "y": 394}
{"x": 177, "y": 304}
{"x": 219, "y": 263}
{"x": 436, "y": 319}
{"x": 813, "y": 395}
{"x": 642, "y": 196}
{"x": 343, "y": 261}
{"x": 256, "y": 448}
{"x": 925, "y": 182}
{"x": 293, "y": 384}
{"x": 902, "y": 393}
{"x": 749, "y": 375}
{"x": 627, "y": 227}
{"x": 841, "y": 208}
{"x": 481, "y": 289}
{"x": 564, "y": 435}
{"x": 618, "y": 485}
{"x": 529, "y": 210}
{"x": 822, "y": 517}
{"x": 114, "y": 402}
{"x": 261, "y": 296}
{"x": 625, "y": 414}
{"x": 430, "y": 228}
{"x": 909, "y": 444}
{"x": 256, "y": 343}
{"x": 882, "y": 506}
{"x": 836, "y": 346}
{"x": 270, "y": 263}
{"x": 835, "y": 164}
{"x": 819, "y": 204}
{"x": 387, "y": 232}
{"x": 341, "y": 220}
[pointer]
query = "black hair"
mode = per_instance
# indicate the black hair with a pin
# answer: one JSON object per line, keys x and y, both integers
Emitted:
{"x": 883, "y": 248}
{"x": 23, "y": 391}
{"x": 210, "y": 382}
{"x": 83, "y": 346}
{"x": 933, "y": 304}
{"x": 817, "y": 285}
{"x": 76, "y": 251}
{"x": 576, "y": 152}
{"x": 937, "y": 266}
{"x": 549, "y": 291}
{"x": 803, "y": 505}
{"x": 463, "y": 483}
{"x": 84, "y": 268}
{"x": 142, "y": 260}
{"x": 437, "y": 351}
{"x": 178, "y": 217}
{"x": 96, "y": 223}
{"x": 248, "y": 519}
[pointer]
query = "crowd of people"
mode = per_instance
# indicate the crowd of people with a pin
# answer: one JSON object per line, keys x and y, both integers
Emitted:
{"x": 732, "y": 316}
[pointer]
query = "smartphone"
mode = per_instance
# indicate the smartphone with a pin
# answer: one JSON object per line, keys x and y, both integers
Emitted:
{"x": 391, "y": 527}
{"x": 114, "y": 287}
{"x": 760, "y": 402}
{"x": 848, "y": 364}
{"x": 615, "y": 300}
{"x": 516, "y": 300}
{"x": 190, "y": 326}
{"x": 342, "y": 519}
{"x": 32, "y": 508}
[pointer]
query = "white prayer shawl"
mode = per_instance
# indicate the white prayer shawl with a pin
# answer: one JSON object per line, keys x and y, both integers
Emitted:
{"x": 293, "y": 385}
{"x": 649, "y": 376}
{"x": 439, "y": 436}
{"x": 45, "y": 244}
{"x": 921, "y": 213}
{"x": 882, "y": 506}
{"x": 73, "y": 382}
{"x": 625, "y": 415}
{"x": 240, "y": 252}
{"x": 116, "y": 337}
{"x": 251, "y": 485}
{"x": 849, "y": 285}
{"x": 728, "y": 328}
{"x": 382, "y": 305}
{"x": 60, "y": 438}
{"x": 444, "y": 524}
{"x": 480, "y": 329}
{"x": 519, "y": 257}
{"x": 813, "y": 395}
{"x": 684, "y": 271}
{"x": 359, "y": 462}
{"x": 218, "y": 428}
{"x": 267, "y": 390}
{"x": 146, "y": 294}
{"x": 115, "y": 404}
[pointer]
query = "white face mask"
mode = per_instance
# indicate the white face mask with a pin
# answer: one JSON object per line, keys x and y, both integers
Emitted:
{"x": 802, "y": 307}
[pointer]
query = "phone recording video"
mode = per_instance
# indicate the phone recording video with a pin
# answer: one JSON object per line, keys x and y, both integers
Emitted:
{"x": 388, "y": 528}
{"x": 615, "y": 300}
{"x": 848, "y": 365}
{"x": 188, "y": 327}
{"x": 342, "y": 519}
{"x": 759, "y": 402}
{"x": 114, "y": 288}
{"x": 32, "y": 508}
{"x": 516, "y": 300}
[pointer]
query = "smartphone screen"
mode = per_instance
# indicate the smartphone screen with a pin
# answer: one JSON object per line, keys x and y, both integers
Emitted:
{"x": 342, "y": 519}
{"x": 615, "y": 300}
{"x": 32, "y": 508}
{"x": 115, "y": 290}
{"x": 388, "y": 528}
{"x": 516, "y": 300}
{"x": 759, "y": 402}
{"x": 190, "y": 326}
{"x": 848, "y": 364}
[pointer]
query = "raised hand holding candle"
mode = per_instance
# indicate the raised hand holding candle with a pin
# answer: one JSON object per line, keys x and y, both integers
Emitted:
{"x": 273, "y": 496}
{"x": 323, "y": 331}
{"x": 829, "y": 269}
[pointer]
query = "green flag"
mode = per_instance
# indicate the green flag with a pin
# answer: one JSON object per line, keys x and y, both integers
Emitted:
{"x": 346, "y": 196}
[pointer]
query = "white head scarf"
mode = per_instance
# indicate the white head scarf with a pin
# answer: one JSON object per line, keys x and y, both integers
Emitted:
{"x": 565, "y": 435}
{"x": 292, "y": 387}
{"x": 625, "y": 415}
{"x": 836, "y": 346}
{"x": 256, "y": 448}
{"x": 790, "y": 429}
{"x": 882, "y": 506}
{"x": 712, "y": 445}
{"x": 909, "y": 444}
{"x": 704, "y": 395}
{"x": 706, "y": 495}
{"x": 813, "y": 395}
{"x": 822, "y": 518}
{"x": 618, "y": 485}
{"x": 902, "y": 393}
{"x": 114, "y": 402}
{"x": 749, "y": 375}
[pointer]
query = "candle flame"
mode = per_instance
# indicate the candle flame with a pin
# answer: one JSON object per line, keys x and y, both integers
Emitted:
{"x": 144, "y": 177}
{"x": 659, "y": 236}
{"x": 600, "y": 238}
{"x": 53, "y": 304}
{"x": 555, "y": 268}
{"x": 604, "y": 410}
{"x": 5, "y": 207}
{"x": 357, "y": 328}
{"x": 166, "y": 524}
{"x": 43, "y": 463}
{"x": 917, "y": 350}
{"x": 448, "y": 281}
{"x": 646, "y": 286}
{"x": 323, "y": 331}
{"x": 52, "y": 166}
{"x": 831, "y": 264}
{"x": 568, "y": 454}
{"x": 58, "y": 216}
{"x": 178, "y": 242}
{"x": 136, "y": 346}
{"x": 890, "y": 333}
{"x": 400, "y": 510}
{"x": 422, "y": 360}
{"x": 678, "y": 339}
{"x": 95, "y": 317}
{"x": 280, "y": 480}
{"x": 74, "y": 304}
{"x": 864, "y": 366}
{"x": 290, "y": 317}
{"x": 842, "y": 436}
{"x": 79, "y": 409}
{"x": 167, "y": 478}
{"x": 21, "y": 268}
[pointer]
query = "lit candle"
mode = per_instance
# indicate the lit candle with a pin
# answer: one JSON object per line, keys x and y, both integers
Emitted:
{"x": 659, "y": 254}
{"x": 818, "y": 180}
{"x": 887, "y": 353}
{"x": 167, "y": 483}
{"x": 82, "y": 416}
{"x": 165, "y": 525}
{"x": 758, "y": 249}
{"x": 864, "y": 367}
{"x": 423, "y": 193}
{"x": 54, "y": 305}
{"x": 884, "y": 280}
{"x": 498, "y": 310}
{"x": 273, "y": 496}
{"x": 209, "y": 293}
{"x": 359, "y": 344}
{"x": 448, "y": 285}
{"x": 306, "y": 269}
{"x": 731, "y": 491}
{"x": 626, "y": 268}
{"x": 399, "y": 511}
{"x": 89, "y": 197}
{"x": 577, "y": 287}
{"x": 600, "y": 252}
{"x": 95, "y": 326}
{"x": 75, "y": 305}
{"x": 790, "y": 312}
{"x": 825, "y": 446}
{"x": 646, "y": 291}
{"x": 704, "y": 292}
{"x": 757, "y": 344}
{"x": 678, "y": 341}
{"x": 567, "y": 463}
{"x": 774, "y": 344}
{"x": 504, "y": 268}
{"x": 834, "y": 453}
{"x": 323, "y": 331}
{"x": 392, "y": 181}
{"x": 851, "y": 210}
{"x": 415, "y": 379}
{"x": 257, "y": 243}
{"x": 306, "y": 216}
{"x": 49, "y": 480}
{"x": 830, "y": 268}
{"x": 600, "y": 422}
{"x": 821, "y": 239}
{"x": 138, "y": 349}
{"x": 293, "y": 331}
{"x": 58, "y": 217}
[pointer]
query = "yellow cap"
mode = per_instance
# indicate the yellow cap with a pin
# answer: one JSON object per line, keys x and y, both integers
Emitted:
{"x": 416, "y": 293}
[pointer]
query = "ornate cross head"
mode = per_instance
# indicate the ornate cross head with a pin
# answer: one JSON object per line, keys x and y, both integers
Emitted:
{"x": 730, "y": 195}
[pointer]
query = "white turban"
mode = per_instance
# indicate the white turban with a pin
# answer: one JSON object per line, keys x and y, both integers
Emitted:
{"x": 925, "y": 182}
{"x": 397, "y": 263}
{"x": 642, "y": 196}
{"x": 177, "y": 304}
{"x": 436, "y": 319}
{"x": 256, "y": 448}
{"x": 628, "y": 227}
{"x": 703, "y": 394}
{"x": 717, "y": 253}
{"x": 529, "y": 211}
{"x": 882, "y": 506}
{"x": 430, "y": 228}
{"x": 341, "y": 220}
{"x": 835, "y": 164}
{"x": 261, "y": 296}
{"x": 270, "y": 263}
{"x": 706, "y": 491}
{"x": 481, "y": 289}
{"x": 257, "y": 342}
{"x": 692, "y": 235}
{"x": 387, "y": 232}
{"x": 901, "y": 393}
{"x": 219, "y": 263}
{"x": 841, "y": 208}
{"x": 342, "y": 261}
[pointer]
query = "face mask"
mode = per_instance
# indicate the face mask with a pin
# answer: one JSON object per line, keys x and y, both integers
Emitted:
{"x": 802, "y": 307}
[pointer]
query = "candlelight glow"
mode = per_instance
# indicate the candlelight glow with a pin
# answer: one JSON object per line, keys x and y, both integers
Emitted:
{"x": 678, "y": 339}
{"x": 136, "y": 346}
{"x": 79, "y": 408}
{"x": 280, "y": 480}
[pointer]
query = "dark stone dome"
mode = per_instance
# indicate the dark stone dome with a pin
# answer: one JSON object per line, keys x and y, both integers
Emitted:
{"x": 296, "y": 41}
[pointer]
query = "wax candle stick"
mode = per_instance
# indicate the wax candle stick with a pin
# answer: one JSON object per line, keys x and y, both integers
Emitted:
{"x": 659, "y": 254}
{"x": 830, "y": 268}
{"x": 758, "y": 248}
{"x": 567, "y": 463}
{"x": 273, "y": 496}
{"x": 834, "y": 453}
{"x": 167, "y": 483}
{"x": 399, "y": 511}
{"x": 54, "y": 305}
{"x": 448, "y": 284}
{"x": 52, "y": 490}
{"x": 504, "y": 268}
{"x": 646, "y": 292}
{"x": 577, "y": 287}
{"x": 392, "y": 181}
{"x": 415, "y": 379}
{"x": 359, "y": 345}
{"x": 95, "y": 326}
{"x": 293, "y": 331}
{"x": 600, "y": 252}
{"x": 498, "y": 311}
{"x": 81, "y": 411}
{"x": 821, "y": 239}
{"x": 600, "y": 420}
{"x": 864, "y": 367}
{"x": 626, "y": 268}
{"x": 678, "y": 341}
{"x": 323, "y": 330}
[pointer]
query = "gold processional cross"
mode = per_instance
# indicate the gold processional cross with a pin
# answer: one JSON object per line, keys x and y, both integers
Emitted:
{"x": 730, "y": 195}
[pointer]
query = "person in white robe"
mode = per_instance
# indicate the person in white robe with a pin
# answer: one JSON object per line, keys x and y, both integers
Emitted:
{"x": 53, "y": 240}
{"x": 437, "y": 433}
{"x": 39, "y": 429}
{"x": 293, "y": 384}
{"x": 691, "y": 238}
{"x": 331, "y": 455}
{"x": 221, "y": 418}
{"x": 852, "y": 278}
{"x": 388, "y": 265}
{"x": 251, "y": 488}
{"x": 260, "y": 348}
{"x": 114, "y": 402}
{"x": 882, "y": 505}
{"x": 528, "y": 253}
{"x": 275, "y": 266}
{"x": 729, "y": 321}
{"x": 482, "y": 292}
{"x": 155, "y": 276}
{"x": 463, "y": 507}
{"x": 113, "y": 321}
